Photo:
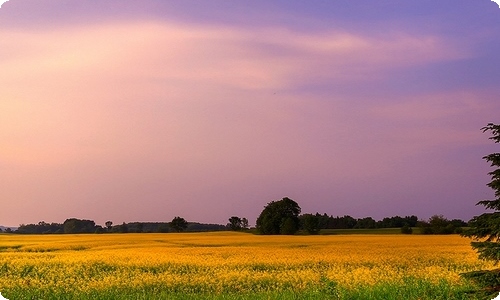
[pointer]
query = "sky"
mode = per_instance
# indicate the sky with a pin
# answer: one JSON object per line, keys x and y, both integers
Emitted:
{"x": 129, "y": 111}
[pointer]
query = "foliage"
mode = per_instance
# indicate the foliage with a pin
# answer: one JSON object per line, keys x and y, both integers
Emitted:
{"x": 485, "y": 229}
{"x": 279, "y": 217}
{"x": 123, "y": 228}
{"x": 79, "y": 226}
{"x": 348, "y": 222}
{"x": 109, "y": 225}
{"x": 367, "y": 222}
{"x": 438, "y": 224}
{"x": 397, "y": 221}
{"x": 235, "y": 223}
{"x": 41, "y": 227}
{"x": 310, "y": 223}
{"x": 178, "y": 224}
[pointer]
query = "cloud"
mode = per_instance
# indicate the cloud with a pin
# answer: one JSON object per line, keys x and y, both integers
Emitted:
{"x": 269, "y": 58}
{"x": 83, "y": 93}
{"x": 169, "y": 112}
{"x": 2, "y": 2}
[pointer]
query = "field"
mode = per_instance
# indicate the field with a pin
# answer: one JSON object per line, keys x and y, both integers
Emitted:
{"x": 228, "y": 265}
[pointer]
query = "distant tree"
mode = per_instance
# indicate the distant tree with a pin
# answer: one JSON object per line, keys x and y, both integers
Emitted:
{"x": 397, "y": 221}
{"x": 99, "y": 229}
{"x": 310, "y": 223}
{"x": 485, "y": 229}
{"x": 8, "y": 230}
{"x": 345, "y": 222}
{"x": 178, "y": 224}
{"x": 244, "y": 223}
{"x": 458, "y": 223}
{"x": 437, "y": 224}
{"x": 108, "y": 224}
{"x": 235, "y": 223}
{"x": 139, "y": 227}
{"x": 279, "y": 217}
{"x": 367, "y": 223}
{"x": 123, "y": 228}
{"x": 163, "y": 228}
{"x": 78, "y": 226}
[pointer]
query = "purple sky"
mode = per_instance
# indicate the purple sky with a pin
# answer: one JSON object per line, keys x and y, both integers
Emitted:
{"x": 145, "y": 110}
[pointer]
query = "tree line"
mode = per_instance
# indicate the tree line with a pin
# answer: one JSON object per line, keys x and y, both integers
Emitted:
{"x": 282, "y": 217}
{"x": 74, "y": 225}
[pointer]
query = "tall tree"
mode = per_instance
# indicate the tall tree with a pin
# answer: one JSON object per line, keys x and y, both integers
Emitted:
{"x": 279, "y": 217}
{"x": 485, "y": 229}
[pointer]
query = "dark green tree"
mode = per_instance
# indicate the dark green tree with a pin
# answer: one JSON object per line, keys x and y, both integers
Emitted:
{"x": 437, "y": 224}
{"x": 163, "y": 228}
{"x": 123, "y": 228}
{"x": 485, "y": 229}
{"x": 368, "y": 223}
{"x": 178, "y": 224}
{"x": 108, "y": 224}
{"x": 310, "y": 223}
{"x": 235, "y": 223}
{"x": 139, "y": 227}
{"x": 79, "y": 226}
{"x": 279, "y": 217}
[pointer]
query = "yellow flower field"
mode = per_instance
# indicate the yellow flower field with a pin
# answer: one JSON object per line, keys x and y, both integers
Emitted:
{"x": 225, "y": 262}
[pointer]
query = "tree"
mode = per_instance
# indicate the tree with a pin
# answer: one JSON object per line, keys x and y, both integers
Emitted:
{"x": 139, "y": 227}
{"x": 310, "y": 223}
{"x": 108, "y": 225}
{"x": 123, "y": 228}
{"x": 279, "y": 217}
{"x": 163, "y": 228}
{"x": 368, "y": 223}
{"x": 485, "y": 229}
{"x": 78, "y": 226}
{"x": 244, "y": 223}
{"x": 178, "y": 224}
{"x": 438, "y": 224}
{"x": 235, "y": 223}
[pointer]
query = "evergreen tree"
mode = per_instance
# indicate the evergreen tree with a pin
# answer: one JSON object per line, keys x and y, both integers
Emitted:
{"x": 485, "y": 229}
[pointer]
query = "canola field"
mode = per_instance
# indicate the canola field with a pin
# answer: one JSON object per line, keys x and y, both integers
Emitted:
{"x": 226, "y": 265}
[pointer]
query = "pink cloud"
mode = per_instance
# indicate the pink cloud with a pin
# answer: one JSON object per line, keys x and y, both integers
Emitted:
{"x": 156, "y": 114}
